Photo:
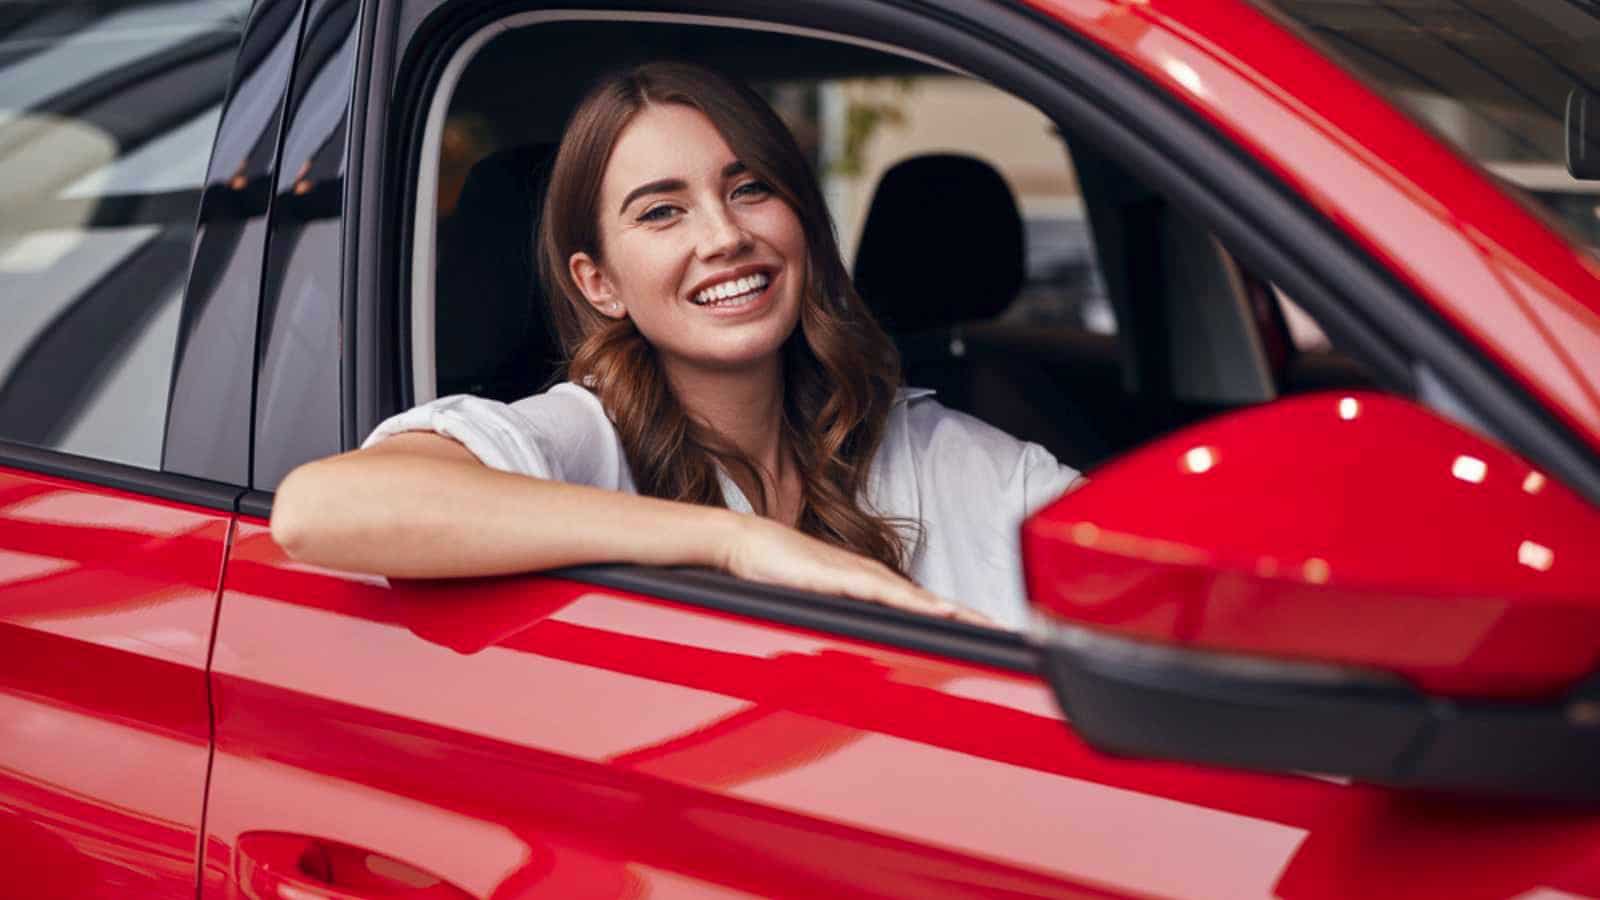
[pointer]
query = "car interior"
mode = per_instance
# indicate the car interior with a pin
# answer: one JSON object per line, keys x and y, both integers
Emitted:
{"x": 972, "y": 288}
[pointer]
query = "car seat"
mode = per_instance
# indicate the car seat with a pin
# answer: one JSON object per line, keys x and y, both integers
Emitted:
{"x": 942, "y": 250}
{"x": 494, "y": 337}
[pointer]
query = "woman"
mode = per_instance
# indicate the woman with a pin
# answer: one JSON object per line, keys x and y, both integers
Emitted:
{"x": 731, "y": 403}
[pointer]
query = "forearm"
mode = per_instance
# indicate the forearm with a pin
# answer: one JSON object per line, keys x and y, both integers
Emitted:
{"x": 423, "y": 507}
{"x": 419, "y": 517}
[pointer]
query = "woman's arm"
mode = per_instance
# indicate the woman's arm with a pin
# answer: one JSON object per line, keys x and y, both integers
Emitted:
{"x": 419, "y": 505}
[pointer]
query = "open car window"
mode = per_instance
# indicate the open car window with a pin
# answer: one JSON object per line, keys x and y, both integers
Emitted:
{"x": 857, "y": 112}
{"x": 1121, "y": 317}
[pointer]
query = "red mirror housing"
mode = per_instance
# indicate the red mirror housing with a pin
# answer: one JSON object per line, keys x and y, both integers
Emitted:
{"x": 1352, "y": 528}
{"x": 1340, "y": 583}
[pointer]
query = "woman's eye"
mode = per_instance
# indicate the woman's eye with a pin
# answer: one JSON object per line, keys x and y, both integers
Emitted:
{"x": 662, "y": 213}
{"x": 752, "y": 189}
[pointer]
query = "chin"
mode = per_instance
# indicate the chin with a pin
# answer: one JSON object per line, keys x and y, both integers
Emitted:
{"x": 738, "y": 359}
{"x": 736, "y": 351}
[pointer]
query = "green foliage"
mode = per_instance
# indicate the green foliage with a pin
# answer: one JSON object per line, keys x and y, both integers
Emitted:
{"x": 870, "y": 105}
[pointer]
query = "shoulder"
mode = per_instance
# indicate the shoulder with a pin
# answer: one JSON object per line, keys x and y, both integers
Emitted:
{"x": 562, "y": 433}
{"x": 568, "y": 404}
{"x": 952, "y": 445}
{"x": 577, "y": 436}
{"x": 488, "y": 428}
{"x": 929, "y": 424}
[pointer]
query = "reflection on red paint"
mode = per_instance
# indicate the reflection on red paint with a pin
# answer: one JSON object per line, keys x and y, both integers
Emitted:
{"x": 106, "y": 604}
{"x": 524, "y": 737}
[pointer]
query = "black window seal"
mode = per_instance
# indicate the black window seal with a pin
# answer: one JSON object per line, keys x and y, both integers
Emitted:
{"x": 1273, "y": 230}
{"x": 119, "y": 476}
{"x": 367, "y": 384}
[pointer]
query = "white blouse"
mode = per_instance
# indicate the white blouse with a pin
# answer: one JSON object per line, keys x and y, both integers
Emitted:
{"x": 968, "y": 483}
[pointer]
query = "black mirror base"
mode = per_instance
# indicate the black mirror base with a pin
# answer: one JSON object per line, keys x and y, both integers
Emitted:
{"x": 1170, "y": 703}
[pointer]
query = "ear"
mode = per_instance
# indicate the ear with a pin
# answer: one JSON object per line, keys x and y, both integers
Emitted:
{"x": 596, "y": 285}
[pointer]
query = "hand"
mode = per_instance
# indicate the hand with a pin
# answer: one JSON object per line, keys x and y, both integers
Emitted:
{"x": 762, "y": 550}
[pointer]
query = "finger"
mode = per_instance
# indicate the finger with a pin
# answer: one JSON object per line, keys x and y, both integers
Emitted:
{"x": 949, "y": 610}
{"x": 888, "y": 590}
{"x": 908, "y": 595}
{"x": 881, "y": 585}
{"x": 962, "y": 614}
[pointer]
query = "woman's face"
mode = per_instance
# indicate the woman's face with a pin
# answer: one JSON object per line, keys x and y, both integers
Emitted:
{"x": 705, "y": 258}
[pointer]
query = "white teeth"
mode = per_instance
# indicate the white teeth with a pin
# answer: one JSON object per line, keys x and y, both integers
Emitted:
{"x": 733, "y": 290}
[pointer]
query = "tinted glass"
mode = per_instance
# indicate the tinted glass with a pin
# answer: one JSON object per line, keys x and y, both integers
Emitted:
{"x": 107, "y": 115}
{"x": 1493, "y": 76}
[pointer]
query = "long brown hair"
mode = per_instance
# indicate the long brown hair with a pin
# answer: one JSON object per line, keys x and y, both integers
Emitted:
{"x": 840, "y": 369}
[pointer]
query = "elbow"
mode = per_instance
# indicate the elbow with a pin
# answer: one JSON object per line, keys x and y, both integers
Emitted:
{"x": 287, "y": 532}
{"x": 292, "y": 523}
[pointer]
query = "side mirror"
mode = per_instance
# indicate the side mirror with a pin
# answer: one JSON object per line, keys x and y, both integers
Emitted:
{"x": 1336, "y": 583}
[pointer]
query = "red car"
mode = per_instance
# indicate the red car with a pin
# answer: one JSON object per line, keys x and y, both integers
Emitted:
{"x": 1308, "y": 286}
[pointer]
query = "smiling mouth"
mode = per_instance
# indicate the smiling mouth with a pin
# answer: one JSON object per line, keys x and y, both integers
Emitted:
{"x": 734, "y": 292}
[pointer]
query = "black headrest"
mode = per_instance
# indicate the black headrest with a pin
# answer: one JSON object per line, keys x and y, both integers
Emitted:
{"x": 491, "y": 318}
{"x": 942, "y": 244}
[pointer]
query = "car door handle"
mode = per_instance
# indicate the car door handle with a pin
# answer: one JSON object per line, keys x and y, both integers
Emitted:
{"x": 272, "y": 865}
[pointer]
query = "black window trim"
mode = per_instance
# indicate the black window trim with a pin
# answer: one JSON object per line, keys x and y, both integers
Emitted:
{"x": 151, "y": 483}
{"x": 1274, "y": 231}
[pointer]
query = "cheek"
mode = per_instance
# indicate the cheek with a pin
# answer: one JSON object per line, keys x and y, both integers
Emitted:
{"x": 645, "y": 269}
{"x": 786, "y": 228}
{"x": 779, "y": 227}
{"x": 797, "y": 251}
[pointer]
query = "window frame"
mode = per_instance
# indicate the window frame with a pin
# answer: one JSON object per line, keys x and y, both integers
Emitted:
{"x": 1273, "y": 230}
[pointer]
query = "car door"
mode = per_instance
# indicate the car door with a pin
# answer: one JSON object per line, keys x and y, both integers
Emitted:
{"x": 618, "y": 731}
{"x": 110, "y": 552}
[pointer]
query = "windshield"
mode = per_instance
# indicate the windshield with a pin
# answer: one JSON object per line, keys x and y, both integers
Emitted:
{"x": 1492, "y": 76}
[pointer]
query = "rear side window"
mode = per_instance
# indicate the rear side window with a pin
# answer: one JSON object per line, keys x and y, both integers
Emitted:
{"x": 107, "y": 116}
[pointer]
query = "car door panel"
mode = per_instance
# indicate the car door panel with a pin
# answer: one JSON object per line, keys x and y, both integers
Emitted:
{"x": 106, "y": 607}
{"x": 534, "y": 737}
{"x": 581, "y": 727}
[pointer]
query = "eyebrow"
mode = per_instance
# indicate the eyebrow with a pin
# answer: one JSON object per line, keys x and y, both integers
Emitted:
{"x": 668, "y": 185}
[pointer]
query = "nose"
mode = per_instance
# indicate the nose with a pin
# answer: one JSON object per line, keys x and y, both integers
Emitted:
{"x": 722, "y": 234}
